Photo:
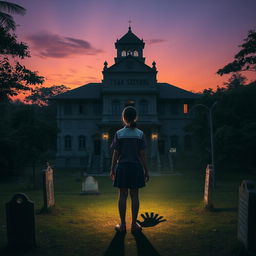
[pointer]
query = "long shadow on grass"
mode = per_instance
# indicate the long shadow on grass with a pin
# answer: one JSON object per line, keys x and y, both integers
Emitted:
{"x": 231, "y": 209}
{"x": 116, "y": 247}
{"x": 144, "y": 247}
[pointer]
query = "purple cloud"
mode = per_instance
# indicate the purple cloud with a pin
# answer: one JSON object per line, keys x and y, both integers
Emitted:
{"x": 155, "y": 41}
{"x": 57, "y": 46}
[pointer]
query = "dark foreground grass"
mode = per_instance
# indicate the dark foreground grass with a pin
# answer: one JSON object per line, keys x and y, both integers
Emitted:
{"x": 84, "y": 225}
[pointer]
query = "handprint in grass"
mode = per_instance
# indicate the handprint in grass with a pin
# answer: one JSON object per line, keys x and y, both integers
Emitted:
{"x": 150, "y": 220}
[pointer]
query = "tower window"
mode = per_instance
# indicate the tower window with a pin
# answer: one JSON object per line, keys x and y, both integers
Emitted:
{"x": 129, "y": 53}
{"x": 135, "y": 53}
{"x": 123, "y": 53}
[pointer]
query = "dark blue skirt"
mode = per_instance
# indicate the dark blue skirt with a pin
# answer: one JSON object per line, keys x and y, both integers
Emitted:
{"x": 129, "y": 175}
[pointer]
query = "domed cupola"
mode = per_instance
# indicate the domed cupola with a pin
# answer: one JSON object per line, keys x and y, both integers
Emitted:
{"x": 129, "y": 45}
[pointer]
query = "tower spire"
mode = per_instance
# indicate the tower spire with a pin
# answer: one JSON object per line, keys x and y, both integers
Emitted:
{"x": 129, "y": 27}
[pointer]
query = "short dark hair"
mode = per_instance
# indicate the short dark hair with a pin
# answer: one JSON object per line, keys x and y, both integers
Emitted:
{"x": 129, "y": 115}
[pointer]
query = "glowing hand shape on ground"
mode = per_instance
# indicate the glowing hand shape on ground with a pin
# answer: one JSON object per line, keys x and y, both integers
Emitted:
{"x": 150, "y": 220}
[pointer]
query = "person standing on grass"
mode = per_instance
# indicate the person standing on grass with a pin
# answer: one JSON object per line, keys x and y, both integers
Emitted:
{"x": 129, "y": 167}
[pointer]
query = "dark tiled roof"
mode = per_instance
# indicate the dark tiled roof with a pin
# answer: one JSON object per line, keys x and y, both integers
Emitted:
{"x": 87, "y": 91}
{"x": 168, "y": 91}
{"x": 129, "y": 38}
{"x": 131, "y": 59}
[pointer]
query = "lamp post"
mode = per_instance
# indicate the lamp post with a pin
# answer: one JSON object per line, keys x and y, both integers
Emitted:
{"x": 210, "y": 109}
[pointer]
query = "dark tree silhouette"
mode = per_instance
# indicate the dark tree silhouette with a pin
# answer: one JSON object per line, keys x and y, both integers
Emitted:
{"x": 41, "y": 95}
{"x": 14, "y": 77}
{"x": 7, "y": 8}
{"x": 234, "y": 125}
{"x": 245, "y": 59}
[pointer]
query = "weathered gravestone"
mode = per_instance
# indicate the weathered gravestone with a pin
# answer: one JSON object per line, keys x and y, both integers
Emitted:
{"x": 48, "y": 188}
{"x": 208, "y": 188}
{"x": 89, "y": 186}
{"x": 20, "y": 220}
{"x": 247, "y": 215}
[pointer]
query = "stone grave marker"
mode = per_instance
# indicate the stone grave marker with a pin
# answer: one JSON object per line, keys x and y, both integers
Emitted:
{"x": 48, "y": 188}
{"x": 247, "y": 215}
{"x": 208, "y": 188}
{"x": 89, "y": 186}
{"x": 20, "y": 222}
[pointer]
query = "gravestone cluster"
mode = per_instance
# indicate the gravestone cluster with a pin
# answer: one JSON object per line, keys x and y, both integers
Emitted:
{"x": 247, "y": 215}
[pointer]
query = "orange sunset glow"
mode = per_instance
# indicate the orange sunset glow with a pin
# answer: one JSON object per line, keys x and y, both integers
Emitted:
{"x": 189, "y": 40}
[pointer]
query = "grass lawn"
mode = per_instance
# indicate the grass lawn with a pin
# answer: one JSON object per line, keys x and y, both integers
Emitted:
{"x": 84, "y": 225}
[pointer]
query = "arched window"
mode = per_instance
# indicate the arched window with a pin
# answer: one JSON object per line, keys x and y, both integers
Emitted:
{"x": 67, "y": 142}
{"x": 81, "y": 142}
{"x": 143, "y": 107}
{"x": 135, "y": 53}
{"x": 129, "y": 53}
{"x": 116, "y": 107}
{"x": 123, "y": 53}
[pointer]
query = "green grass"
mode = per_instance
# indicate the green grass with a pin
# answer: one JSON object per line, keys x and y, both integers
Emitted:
{"x": 83, "y": 225}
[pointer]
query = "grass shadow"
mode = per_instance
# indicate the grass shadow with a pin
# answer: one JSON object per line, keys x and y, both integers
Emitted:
{"x": 144, "y": 247}
{"x": 116, "y": 246}
{"x": 231, "y": 209}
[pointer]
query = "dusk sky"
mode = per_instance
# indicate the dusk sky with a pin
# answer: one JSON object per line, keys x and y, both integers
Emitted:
{"x": 189, "y": 39}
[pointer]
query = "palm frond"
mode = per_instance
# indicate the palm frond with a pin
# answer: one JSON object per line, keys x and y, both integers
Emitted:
{"x": 7, "y": 21}
{"x": 12, "y": 8}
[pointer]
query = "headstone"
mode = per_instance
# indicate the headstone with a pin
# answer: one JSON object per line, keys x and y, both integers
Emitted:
{"x": 208, "y": 188}
{"x": 48, "y": 188}
{"x": 89, "y": 186}
{"x": 20, "y": 220}
{"x": 247, "y": 215}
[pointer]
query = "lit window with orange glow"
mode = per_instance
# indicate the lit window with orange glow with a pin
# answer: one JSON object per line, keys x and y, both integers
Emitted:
{"x": 185, "y": 108}
{"x": 154, "y": 136}
{"x": 105, "y": 136}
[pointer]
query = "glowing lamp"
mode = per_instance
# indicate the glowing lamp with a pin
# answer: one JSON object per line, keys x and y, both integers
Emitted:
{"x": 105, "y": 136}
{"x": 154, "y": 136}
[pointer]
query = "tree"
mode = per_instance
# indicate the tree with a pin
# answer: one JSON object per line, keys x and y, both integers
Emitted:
{"x": 6, "y": 20}
{"x": 234, "y": 125}
{"x": 10, "y": 46}
{"x": 245, "y": 59}
{"x": 14, "y": 77}
{"x": 40, "y": 95}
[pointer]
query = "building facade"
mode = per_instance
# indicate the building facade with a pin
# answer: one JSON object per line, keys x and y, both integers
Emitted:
{"x": 88, "y": 116}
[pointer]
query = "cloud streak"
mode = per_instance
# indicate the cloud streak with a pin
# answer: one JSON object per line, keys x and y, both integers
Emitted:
{"x": 50, "y": 45}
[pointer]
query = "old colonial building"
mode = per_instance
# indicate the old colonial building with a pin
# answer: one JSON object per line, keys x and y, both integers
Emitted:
{"x": 88, "y": 116}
